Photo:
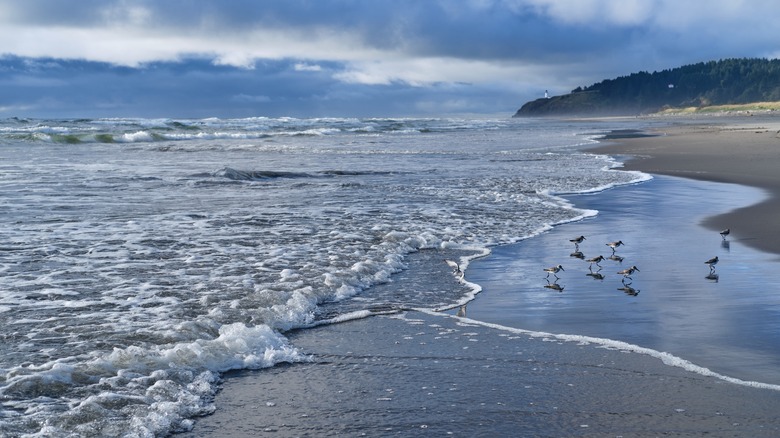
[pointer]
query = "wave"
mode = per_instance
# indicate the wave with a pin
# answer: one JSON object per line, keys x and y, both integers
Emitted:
{"x": 261, "y": 175}
{"x": 136, "y": 130}
{"x": 174, "y": 382}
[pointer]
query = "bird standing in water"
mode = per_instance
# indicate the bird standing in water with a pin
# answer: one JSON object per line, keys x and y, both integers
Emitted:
{"x": 725, "y": 233}
{"x": 576, "y": 241}
{"x": 553, "y": 270}
{"x": 595, "y": 260}
{"x": 626, "y": 273}
{"x": 614, "y": 245}
{"x": 712, "y": 262}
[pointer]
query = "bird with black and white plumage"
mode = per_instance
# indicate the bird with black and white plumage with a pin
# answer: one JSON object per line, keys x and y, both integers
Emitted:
{"x": 455, "y": 268}
{"x": 553, "y": 270}
{"x": 615, "y": 244}
{"x": 712, "y": 262}
{"x": 626, "y": 273}
{"x": 725, "y": 233}
{"x": 595, "y": 260}
{"x": 576, "y": 241}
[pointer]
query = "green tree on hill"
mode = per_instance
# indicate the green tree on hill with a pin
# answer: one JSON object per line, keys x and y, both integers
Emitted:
{"x": 728, "y": 81}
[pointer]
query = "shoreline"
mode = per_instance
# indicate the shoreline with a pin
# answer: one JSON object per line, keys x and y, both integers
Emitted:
{"x": 423, "y": 374}
{"x": 416, "y": 374}
{"x": 744, "y": 152}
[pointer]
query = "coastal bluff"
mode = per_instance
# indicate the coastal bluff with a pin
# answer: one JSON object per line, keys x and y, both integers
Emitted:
{"x": 706, "y": 84}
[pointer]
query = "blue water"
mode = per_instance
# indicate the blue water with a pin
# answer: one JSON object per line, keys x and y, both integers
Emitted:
{"x": 140, "y": 258}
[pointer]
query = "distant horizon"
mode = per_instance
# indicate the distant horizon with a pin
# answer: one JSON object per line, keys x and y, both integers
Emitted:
{"x": 465, "y": 116}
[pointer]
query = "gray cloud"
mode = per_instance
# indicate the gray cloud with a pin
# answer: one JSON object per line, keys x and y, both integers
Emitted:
{"x": 302, "y": 56}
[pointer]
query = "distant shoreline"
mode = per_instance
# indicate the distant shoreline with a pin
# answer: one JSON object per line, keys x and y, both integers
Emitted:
{"x": 746, "y": 153}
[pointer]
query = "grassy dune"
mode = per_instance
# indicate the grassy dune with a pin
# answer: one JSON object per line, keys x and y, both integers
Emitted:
{"x": 744, "y": 108}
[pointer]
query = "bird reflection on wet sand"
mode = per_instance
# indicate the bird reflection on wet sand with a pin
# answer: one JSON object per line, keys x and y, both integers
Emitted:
{"x": 629, "y": 290}
{"x": 554, "y": 286}
{"x": 595, "y": 275}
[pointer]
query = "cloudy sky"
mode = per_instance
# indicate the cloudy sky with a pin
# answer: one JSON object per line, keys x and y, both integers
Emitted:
{"x": 314, "y": 58}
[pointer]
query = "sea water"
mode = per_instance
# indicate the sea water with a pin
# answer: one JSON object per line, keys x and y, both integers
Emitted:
{"x": 141, "y": 258}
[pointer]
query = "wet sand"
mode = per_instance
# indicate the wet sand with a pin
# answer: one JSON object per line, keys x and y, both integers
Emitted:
{"x": 747, "y": 153}
{"x": 434, "y": 375}
{"x": 724, "y": 320}
{"x": 420, "y": 374}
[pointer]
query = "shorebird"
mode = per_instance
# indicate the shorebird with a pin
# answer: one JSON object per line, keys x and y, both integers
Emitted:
{"x": 454, "y": 265}
{"x": 614, "y": 245}
{"x": 712, "y": 262}
{"x": 595, "y": 260}
{"x": 725, "y": 233}
{"x": 455, "y": 268}
{"x": 626, "y": 273}
{"x": 553, "y": 270}
{"x": 576, "y": 241}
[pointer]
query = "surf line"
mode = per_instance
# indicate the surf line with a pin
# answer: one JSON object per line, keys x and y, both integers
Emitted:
{"x": 666, "y": 358}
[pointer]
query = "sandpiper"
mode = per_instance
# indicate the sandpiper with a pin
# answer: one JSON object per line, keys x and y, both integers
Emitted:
{"x": 455, "y": 268}
{"x": 712, "y": 262}
{"x": 626, "y": 273}
{"x": 725, "y": 233}
{"x": 453, "y": 264}
{"x": 553, "y": 270}
{"x": 576, "y": 241}
{"x": 614, "y": 245}
{"x": 595, "y": 260}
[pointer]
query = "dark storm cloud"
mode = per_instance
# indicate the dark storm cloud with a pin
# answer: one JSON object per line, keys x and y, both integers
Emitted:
{"x": 298, "y": 57}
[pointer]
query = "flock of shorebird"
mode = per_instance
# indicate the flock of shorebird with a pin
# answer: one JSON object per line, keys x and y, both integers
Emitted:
{"x": 625, "y": 273}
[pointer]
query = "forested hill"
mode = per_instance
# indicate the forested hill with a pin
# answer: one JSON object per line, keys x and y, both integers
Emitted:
{"x": 729, "y": 81}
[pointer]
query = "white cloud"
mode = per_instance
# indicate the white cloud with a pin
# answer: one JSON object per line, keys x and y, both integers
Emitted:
{"x": 674, "y": 14}
{"x": 133, "y": 45}
{"x": 519, "y": 46}
{"x": 302, "y": 66}
{"x": 595, "y": 12}
{"x": 419, "y": 72}
{"x": 250, "y": 98}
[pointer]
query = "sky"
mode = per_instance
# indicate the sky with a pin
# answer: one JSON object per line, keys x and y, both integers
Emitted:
{"x": 349, "y": 58}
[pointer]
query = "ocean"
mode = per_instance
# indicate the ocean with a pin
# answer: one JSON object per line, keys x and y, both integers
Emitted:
{"x": 143, "y": 258}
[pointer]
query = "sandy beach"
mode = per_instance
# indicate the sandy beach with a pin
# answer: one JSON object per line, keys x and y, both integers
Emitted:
{"x": 747, "y": 153}
{"x": 433, "y": 375}
{"x": 490, "y": 374}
